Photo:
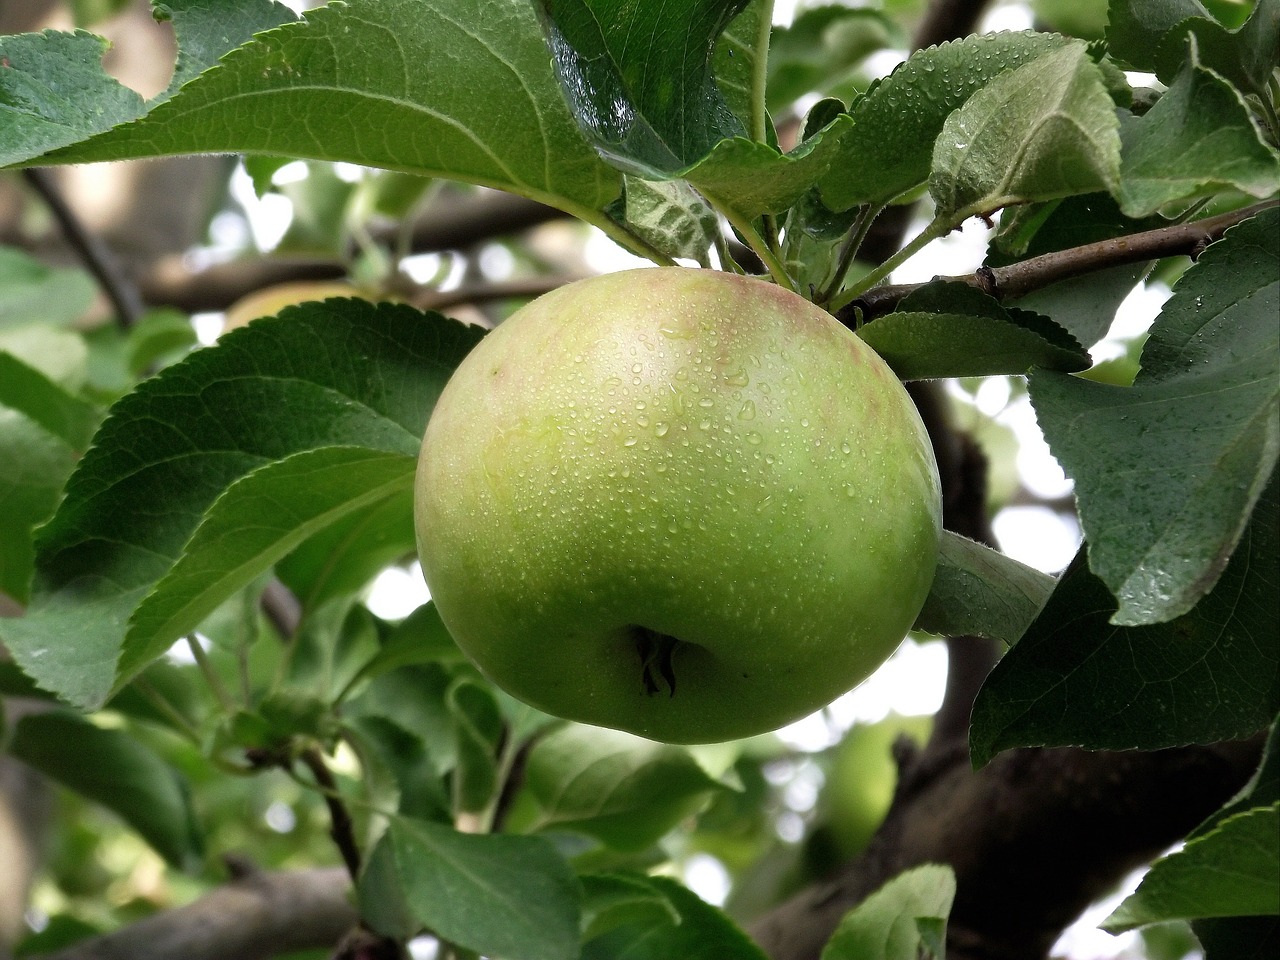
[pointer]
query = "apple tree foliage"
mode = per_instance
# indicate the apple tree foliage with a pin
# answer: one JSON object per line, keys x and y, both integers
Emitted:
{"x": 150, "y": 490}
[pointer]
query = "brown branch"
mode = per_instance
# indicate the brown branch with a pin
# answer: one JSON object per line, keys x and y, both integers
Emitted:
{"x": 1034, "y": 838}
{"x": 461, "y": 222}
{"x": 256, "y": 916}
{"x": 341, "y": 827}
{"x": 1019, "y": 279}
{"x": 93, "y": 253}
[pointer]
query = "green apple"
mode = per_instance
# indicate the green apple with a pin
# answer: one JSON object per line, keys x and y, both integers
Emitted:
{"x": 678, "y": 502}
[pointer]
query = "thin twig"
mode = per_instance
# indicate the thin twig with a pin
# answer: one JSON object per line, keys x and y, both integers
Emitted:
{"x": 341, "y": 827}
{"x": 124, "y": 296}
{"x": 1019, "y": 279}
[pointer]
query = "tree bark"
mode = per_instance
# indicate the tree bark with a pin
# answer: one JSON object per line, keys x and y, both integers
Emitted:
{"x": 256, "y": 916}
{"x": 1034, "y": 838}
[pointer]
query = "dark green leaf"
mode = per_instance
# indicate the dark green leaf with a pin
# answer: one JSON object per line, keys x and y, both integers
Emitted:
{"x": 255, "y": 522}
{"x": 399, "y": 772}
{"x": 1167, "y": 471}
{"x": 903, "y": 920}
{"x": 114, "y": 769}
{"x": 331, "y": 650}
{"x": 890, "y": 148}
{"x": 978, "y": 591}
{"x": 510, "y": 896}
{"x": 477, "y": 730}
{"x": 955, "y": 330}
{"x": 1077, "y": 679}
{"x": 1239, "y": 938}
{"x": 624, "y": 791}
{"x": 701, "y": 933}
{"x": 1245, "y": 56}
{"x": 1198, "y": 139}
{"x": 456, "y": 96}
{"x": 414, "y": 698}
{"x": 34, "y": 464}
{"x": 1263, "y": 788}
{"x": 1136, "y": 27}
{"x": 348, "y": 372}
{"x": 638, "y": 78}
{"x": 612, "y": 900}
{"x": 1234, "y": 870}
{"x": 380, "y": 895}
{"x": 1046, "y": 129}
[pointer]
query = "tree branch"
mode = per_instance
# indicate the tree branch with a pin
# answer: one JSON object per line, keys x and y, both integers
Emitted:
{"x": 341, "y": 827}
{"x": 1019, "y": 279}
{"x": 256, "y": 916}
{"x": 93, "y": 253}
{"x": 1034, "y": 837}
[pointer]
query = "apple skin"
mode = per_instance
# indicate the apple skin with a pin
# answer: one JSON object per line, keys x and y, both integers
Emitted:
{"x": 676, "y": 453}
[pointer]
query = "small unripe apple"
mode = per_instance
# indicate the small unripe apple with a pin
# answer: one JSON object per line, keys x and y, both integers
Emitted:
{"x": 677, "y": 502}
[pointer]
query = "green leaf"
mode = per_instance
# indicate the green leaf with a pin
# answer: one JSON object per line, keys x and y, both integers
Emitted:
{"x": 1084, "y": 306}
{"x": 889, "y": 150}
{"x": 702, "y": 932}
{"x": 1077, "y": 679}
{"x": 903, "y": 920}
{"x": 380, "y": 895}
{"x": 818, "y": 52}
{"x": 612, "y": 900}
{"x": 340, "y": 559}
{"x": 1232, "y": 871}
{"x": 510, "y": 896}
{"x": 207, "y": 31}
{"x": 46, "y": 85}
{"x": 955, "y": 330}
{"x": 454, "y": 95}
{"x": 1245, "y": 56}
{"x": 414, "y": 698}
{"x": 638, "y": 78}
{"x": 1135, "y": 27}
{"x": 31, "y": 292}
{"x": 1262, "y": 789}
{"x": 350, "y": 373}
{"x": 671, "y": 217}
{"x": 116, "y": 770}
{"x": 1198, "y": 139}
{"x": 34, "y": 464}
{"x": 753, "y": 178}
{"x": 420, "y": 638}
{"x": 477, "y": 730}
{"x": 255, "y": 522}
{"x": 330, "y": 650}
{"x": 399, "y": 771}
{"x": 978, "y": 591}
{"x": 1238, "y": 938}
{"x": 1047, "y": 129}
{"x": 624, "y": 791}
{"x": 1167, "y": 471}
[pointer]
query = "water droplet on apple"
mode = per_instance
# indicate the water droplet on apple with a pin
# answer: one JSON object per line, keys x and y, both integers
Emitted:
{"x": 748, "y": 411}
{"x": 661, "y": 428}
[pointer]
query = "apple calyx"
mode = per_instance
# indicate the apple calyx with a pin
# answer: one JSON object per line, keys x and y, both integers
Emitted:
{"x": 657, "y": 652}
